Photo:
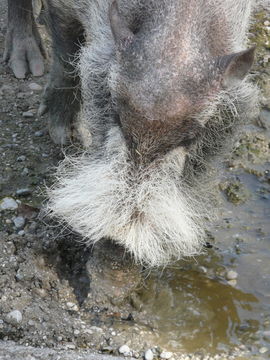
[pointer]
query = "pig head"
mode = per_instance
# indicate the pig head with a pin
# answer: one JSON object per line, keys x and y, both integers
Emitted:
{"x": 160, "y": 97}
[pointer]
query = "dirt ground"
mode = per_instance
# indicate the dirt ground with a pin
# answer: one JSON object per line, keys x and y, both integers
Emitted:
{"x": 214, "y": 307}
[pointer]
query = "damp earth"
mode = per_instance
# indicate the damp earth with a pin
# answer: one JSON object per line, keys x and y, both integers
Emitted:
{"x": 213, "y": 306}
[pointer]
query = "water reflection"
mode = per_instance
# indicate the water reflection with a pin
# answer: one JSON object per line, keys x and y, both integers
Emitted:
{"x": 193, "y": 312}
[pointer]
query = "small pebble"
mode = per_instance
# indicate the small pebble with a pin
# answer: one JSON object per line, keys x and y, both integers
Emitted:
{"x": 232, "y": 282}
{"x": 25, "y": 172}
{"x": 21, "y": 158}
{"x": 266, "y": 333}
{"x": 39, "y": 133}
{"x": 231, "y": 275}
{"x": 8, "y": 204}
{"x": 96, "y": 329}
{"x": 21, "y": 233}
{"x": 23, "y": 192}
{"x": 14, "y": 317}
{"x": 40, "y": 292}
{"x": 28, "y": 114}
{"x": 76, "y": 332}
{"x": 124, "y": 349}
{"x": 19, "y": 276}
{"x": 35, "y": 87}
{"x": 166, "y": 355}
{"x": 148, "y": 355}
{"x": 263, "y": 350}
{"x": 19, "y": 222}
{"x": 72, "y": 306}
{"x": 203, "y": 269}
{"x": 20, "y": 95}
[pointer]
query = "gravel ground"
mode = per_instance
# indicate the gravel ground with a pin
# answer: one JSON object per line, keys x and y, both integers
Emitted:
{"x": 10, "y": 351}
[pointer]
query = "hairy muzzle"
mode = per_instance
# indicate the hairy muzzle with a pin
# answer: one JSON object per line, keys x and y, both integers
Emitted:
{"x": 149, "y": 211}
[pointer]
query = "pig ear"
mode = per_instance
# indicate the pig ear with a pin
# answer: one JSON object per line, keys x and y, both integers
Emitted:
{"x": 236, "y": 66}
{"x": 122, "y": 34}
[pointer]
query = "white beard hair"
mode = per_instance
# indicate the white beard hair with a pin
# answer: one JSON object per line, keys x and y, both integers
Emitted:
{"x": 150, "y": 211}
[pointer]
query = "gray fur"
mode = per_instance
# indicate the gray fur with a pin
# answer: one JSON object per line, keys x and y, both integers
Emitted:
{"x": 157, "y": 104}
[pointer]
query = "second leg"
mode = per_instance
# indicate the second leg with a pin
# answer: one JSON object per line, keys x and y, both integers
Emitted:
{"x": 62, "y": 94}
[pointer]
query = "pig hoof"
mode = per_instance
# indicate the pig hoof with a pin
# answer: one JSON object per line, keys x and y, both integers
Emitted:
{"x": 60, "y": 115}
{"x": 24, "y": 54}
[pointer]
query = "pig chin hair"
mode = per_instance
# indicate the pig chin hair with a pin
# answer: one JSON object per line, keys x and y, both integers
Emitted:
{"x": 148, "y": 211}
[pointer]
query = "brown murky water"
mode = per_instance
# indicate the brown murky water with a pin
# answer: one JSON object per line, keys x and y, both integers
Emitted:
{"x": 193, "y": 312}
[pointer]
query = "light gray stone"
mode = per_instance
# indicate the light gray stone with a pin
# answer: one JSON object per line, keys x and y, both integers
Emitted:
{"x": 14, "y": 317}
{"x": 8, "y": 204}
{"x": 28, "y": 114}
{"x": 19, "y": 222}
{"x": 23, "y": 192}
{"x": 263, "y": 350}
{"x": 231, "y": 275}
{"x": 39, "y": 133}
{"x": 35, "y": 87}
{"x": 148, "y": 355}
{"x": 25, "y": 172}
{"x": 166, "y": 355}
{"x": 21, "y": 158}
{"x": 125, "y": 350}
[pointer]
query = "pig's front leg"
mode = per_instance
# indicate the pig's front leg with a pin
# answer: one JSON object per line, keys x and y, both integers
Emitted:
{"x": 23, "y": 47}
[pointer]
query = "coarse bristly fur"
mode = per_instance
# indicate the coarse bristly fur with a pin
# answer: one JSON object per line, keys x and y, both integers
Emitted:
{"x": 157, "y": 209}
{"x": 151, "y": 212}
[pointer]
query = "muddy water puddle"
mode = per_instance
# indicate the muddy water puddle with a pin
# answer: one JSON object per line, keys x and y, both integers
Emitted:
{"x": 193, "y": 312}
{"x": 194, "y": 308}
